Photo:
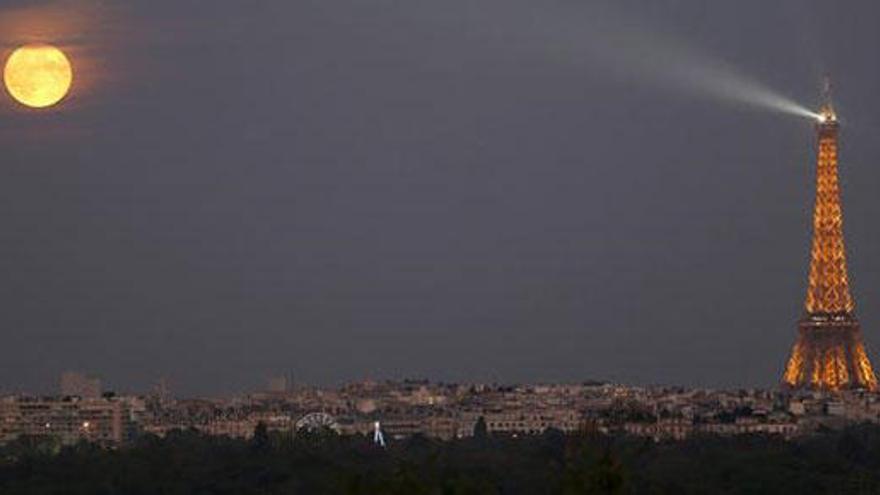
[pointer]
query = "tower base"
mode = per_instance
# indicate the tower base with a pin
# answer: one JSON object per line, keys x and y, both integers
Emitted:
{"x": 829, "y": 355}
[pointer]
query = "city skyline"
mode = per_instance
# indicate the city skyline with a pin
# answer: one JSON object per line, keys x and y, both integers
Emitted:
{"x": 461, "y": 194}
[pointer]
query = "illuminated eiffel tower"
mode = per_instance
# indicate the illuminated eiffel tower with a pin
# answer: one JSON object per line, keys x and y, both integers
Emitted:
{"x": 829, "y": 353}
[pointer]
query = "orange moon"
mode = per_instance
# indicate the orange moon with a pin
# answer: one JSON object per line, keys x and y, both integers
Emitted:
{"x": 38, "y": 76}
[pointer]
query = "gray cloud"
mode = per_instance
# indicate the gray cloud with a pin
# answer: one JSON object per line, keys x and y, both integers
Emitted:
{"x": 458, "y": 190}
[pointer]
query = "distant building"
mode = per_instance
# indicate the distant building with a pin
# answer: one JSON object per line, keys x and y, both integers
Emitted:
{"x": 522, "y": 421}
{"x": 161, "y": 391}
{"x": 75, "y": 384}
{"x": 105, "y": 421}
{"x": 278, "y": 384}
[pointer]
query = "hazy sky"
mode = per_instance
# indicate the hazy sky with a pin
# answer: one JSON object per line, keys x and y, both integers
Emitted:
{"x": 486, "y": 190}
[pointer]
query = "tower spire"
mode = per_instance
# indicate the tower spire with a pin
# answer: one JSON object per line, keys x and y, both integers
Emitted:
{"x": 826, "y": 90}
{"x": 827, "y": 115}
{"x": 829, "y": 353}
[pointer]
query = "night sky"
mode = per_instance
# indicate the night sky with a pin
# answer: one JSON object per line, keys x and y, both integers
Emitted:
{"x": 468, "y": 190}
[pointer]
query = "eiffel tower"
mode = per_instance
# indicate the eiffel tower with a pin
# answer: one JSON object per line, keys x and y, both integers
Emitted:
{"x": 829, "y": 353}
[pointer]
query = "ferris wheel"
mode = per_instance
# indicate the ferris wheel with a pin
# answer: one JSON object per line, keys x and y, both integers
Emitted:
{"x": 316, "y": 421}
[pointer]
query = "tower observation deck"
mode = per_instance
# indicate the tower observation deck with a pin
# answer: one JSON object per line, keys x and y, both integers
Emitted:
{"x": 829, "y": 353}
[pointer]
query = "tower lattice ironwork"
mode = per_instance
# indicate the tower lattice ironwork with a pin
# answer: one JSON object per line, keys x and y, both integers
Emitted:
{"x": 829, "y": 353}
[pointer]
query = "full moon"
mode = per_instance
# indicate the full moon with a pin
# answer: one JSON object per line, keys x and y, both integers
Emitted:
{"x": 38, "y": 76}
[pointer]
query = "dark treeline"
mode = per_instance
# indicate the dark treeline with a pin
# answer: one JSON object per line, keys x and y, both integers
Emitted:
{"x": 187, "y": 463}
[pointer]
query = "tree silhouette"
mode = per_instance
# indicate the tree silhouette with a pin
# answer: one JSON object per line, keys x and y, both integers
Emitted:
{"x": 260, "y": 442}
{"x": 481, "y": 431}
